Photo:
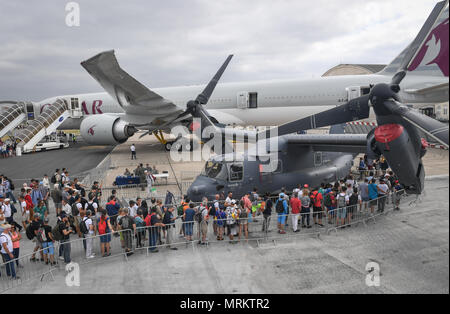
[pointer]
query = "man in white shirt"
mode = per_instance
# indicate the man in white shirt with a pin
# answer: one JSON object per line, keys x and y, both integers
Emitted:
{"x": 26, "y": 219}
{"x": 150, "y": 182}
{"x": 383, "y": 191}
{"x": 66, "y": 207}
{"x": 133, "y": 209}
{"x": 7, "y": 251}
{"x": 342, "y": 200}
{"x": 133, "y": 151}
{"x": 89, "y": 236}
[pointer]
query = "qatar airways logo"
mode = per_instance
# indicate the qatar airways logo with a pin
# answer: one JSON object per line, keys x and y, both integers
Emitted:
{"x": 435, "y": 50}
{"x": 91, "y": 131}
{"x": 95, "y": 107}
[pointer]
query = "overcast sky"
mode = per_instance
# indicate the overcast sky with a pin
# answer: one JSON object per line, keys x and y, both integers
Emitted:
{"x": 183, "y": 42}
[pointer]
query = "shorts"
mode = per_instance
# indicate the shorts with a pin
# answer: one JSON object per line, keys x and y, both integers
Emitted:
{"x": 48, "y": 248}
{"x": 342, "y": 213}
{"x": 282, "y": 218}
{"x": 243, "y": 220}
{"x": 204, "y": 227}
{"x": 331, "y": 210}
{"x": 365, "y": 198}
{"x": 106, "y": 238}
{"x": 26, "y": 217}
{"x": 373, "y": 202}
{"x": 351, "y": 209}
{"x": 317, "y": 211}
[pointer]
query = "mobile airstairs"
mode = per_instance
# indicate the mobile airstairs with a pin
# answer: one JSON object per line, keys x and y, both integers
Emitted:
{"x": 45, "y": 124}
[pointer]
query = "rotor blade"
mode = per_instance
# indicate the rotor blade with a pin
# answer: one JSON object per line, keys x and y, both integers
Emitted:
{"x": 418, "y": 41}
{"x": 355, "y": 109}
{"x": 203, "y": 97}
{"x": 433, "y": 128}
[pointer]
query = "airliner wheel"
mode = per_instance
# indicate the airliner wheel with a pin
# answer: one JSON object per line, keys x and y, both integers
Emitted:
{"x": 168, "y": 146}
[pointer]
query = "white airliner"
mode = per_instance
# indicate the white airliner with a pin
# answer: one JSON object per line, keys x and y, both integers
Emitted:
{"x": 110, "y": 117}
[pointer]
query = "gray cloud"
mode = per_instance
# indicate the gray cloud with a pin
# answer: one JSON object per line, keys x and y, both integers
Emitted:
{"x": 182, "y": 42}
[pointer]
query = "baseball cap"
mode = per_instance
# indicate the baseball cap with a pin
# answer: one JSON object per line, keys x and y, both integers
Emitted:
{"x": 282, "y": 195}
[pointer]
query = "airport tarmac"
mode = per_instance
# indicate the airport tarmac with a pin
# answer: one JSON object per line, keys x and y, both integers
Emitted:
{"x": 78, "y": 158}
{"x": 411, "y": 248}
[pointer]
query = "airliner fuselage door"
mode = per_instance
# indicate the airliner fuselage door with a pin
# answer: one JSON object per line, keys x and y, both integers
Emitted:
{"x": 75, "y": 109}
{"x": 242, "y": 100}
{"x": 353, "y": 92}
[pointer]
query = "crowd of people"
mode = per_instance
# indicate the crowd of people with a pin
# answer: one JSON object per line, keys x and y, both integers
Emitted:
{"x": 7, "y": 148}
{"x": 84, "y": 212}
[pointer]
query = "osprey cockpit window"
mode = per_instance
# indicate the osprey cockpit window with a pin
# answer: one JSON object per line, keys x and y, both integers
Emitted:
{"x": 215, "y": 170}
{"x": 236, "y": 172}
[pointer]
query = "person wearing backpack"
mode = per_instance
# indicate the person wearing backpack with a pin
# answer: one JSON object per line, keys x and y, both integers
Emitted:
{"x": 48, "y": 244}
{"x": 329, "y": 204}
{"x": 316, "y": 200}
{"x": 243, "y": 219}
{"x": 128, "y": 225}
{"x": 140, "y": 228}
{"x": 281, "y": 208}
{"x": 353, "y": 202}
{"x": 306, "y": 211}
{"x": 33, "y": 233}
{"x": 204, "y": 223}
{"x": 267, "y": 213}
{"x": 88, "y": 230}
{"x": 154, "y": 222}
{"x": 342, "y": 200}
{"x": 104, "y": 229}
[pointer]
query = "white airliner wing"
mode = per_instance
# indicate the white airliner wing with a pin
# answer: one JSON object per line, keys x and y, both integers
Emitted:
{"x": 443, "y": 88}
{"x": 132, "y": 96}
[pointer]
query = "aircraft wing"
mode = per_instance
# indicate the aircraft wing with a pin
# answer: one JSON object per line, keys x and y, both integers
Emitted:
{"x": 346, "y": 143}
{"x": 440, "y": 88}
{"x": 132, "y": 96}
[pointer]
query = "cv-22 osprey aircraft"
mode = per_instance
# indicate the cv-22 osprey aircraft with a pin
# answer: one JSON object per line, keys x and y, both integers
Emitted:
{"x": 313, "y": 158}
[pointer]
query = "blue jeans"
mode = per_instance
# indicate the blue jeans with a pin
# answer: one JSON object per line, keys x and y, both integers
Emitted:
{"x": 152, "y": 237}
{"x": 10, "y": 269}
{"x": 66, "y": 250}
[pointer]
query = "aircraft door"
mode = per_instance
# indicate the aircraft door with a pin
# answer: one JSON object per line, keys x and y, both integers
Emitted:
{"x": 75, "y": 110}
{"x": 30, "y": 111}
{"x": 243, "y": 99}
{"x": 353, "y": 92}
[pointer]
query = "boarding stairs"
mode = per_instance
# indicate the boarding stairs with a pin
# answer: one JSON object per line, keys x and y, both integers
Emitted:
{"x": 12, "y": 117}
{"x": 47, "y": 123}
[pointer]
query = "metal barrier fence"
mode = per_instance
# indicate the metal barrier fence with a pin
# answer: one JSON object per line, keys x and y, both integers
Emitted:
{"x": 260, "y": 228}
{"x": 27, "y": 269}
{"x": 98, "y": 173}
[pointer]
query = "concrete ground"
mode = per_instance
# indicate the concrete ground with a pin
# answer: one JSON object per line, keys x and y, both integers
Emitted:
{"x": 410, "y": 246}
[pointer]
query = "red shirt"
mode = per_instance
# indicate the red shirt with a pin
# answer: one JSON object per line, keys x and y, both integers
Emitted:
{"x": 296, "y": 204}
{"x": 317, "y": 199}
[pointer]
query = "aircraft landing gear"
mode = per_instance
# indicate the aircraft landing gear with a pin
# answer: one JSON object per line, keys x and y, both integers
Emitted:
{"x": 183, "y": 144}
